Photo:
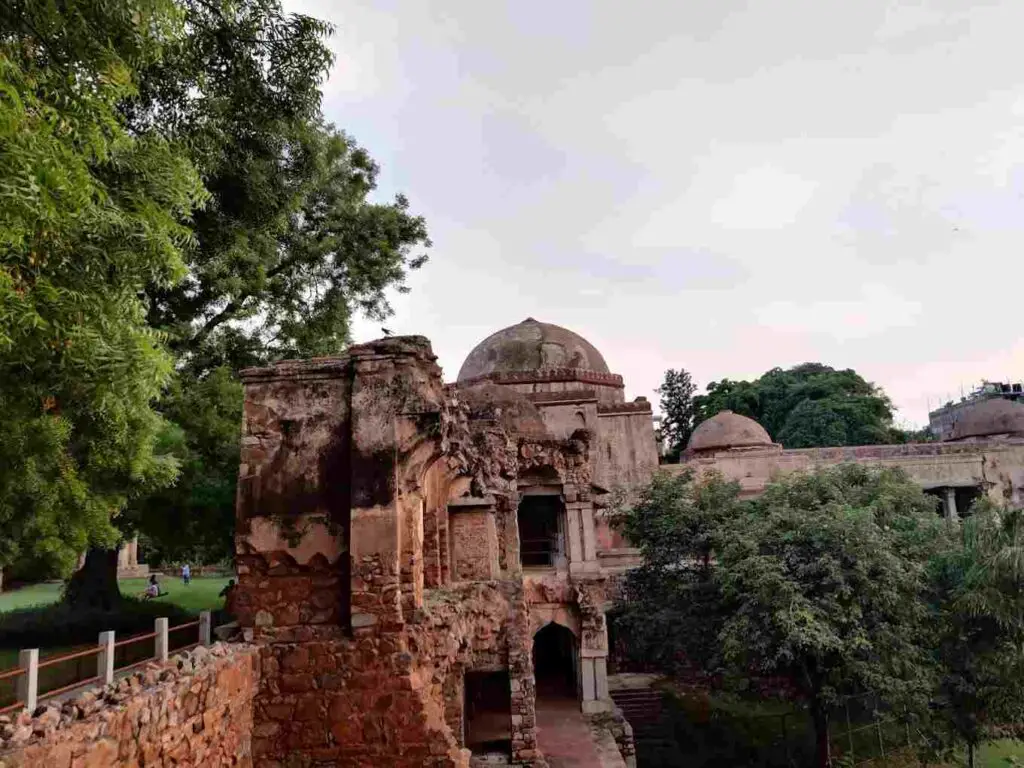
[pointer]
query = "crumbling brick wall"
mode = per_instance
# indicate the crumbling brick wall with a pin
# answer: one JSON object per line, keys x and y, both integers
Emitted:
{"x": 386, "y": 697}
{"x": 365, "y": 629}
{"x": 195, "y": 710}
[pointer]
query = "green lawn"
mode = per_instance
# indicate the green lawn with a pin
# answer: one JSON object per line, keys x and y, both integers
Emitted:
{"x": 201, "y": 595}
{"x": 998, "y": 753}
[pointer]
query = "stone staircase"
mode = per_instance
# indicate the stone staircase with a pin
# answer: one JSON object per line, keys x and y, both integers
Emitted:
{"x": 652, "y": 728}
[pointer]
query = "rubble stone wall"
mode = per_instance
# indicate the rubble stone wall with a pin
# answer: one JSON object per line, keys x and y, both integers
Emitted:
{"x": 475, "y": 545}
{"x": 195, "y": 710}
{"x": 389, "y": 697}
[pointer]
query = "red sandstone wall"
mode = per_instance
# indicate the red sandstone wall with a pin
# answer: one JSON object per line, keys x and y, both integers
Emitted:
{"x": 196, "y": 710}
{"x": 475, "y": 545}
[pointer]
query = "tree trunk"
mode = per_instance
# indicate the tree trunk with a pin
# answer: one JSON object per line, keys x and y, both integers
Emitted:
{"x": 822, "y": 752}
{"x": 94, "y": 585}
{"x": 970, "y": 754}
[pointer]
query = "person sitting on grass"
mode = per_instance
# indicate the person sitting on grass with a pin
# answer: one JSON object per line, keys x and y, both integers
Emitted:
{"x": 153, "y": 588}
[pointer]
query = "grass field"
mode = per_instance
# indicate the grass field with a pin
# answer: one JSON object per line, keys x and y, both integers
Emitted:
{"x": 201, "y": 595}
{"x": 1000, "y": 754}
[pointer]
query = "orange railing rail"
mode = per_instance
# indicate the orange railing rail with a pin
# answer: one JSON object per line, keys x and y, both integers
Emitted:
{"x": 26, "y": 674}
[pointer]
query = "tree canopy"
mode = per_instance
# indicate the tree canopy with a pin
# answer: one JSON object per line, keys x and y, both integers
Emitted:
{"x": 92, "y": 213}
{"x": 290, "y": 244}
{"x": 979, "y": 605}
{"x": 806, "y": 406}
{"x": 176, "y": 209}
{"x": 822, "y": 581}
{"x": 677, "y": 411}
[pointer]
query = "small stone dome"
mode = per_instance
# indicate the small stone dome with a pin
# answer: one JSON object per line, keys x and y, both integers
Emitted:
{"x": 996, "y": 416}
{"x": 531, "y": 346}
{"x": 727, "y": 430}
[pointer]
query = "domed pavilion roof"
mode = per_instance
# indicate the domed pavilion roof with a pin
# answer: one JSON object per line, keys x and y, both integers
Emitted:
{"x": 727, "y": 430}
{"x": 996, "y": 416}
{"x": 532, "y": 346}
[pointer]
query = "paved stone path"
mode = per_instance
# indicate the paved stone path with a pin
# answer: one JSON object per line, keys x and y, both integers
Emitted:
{"x": 563, "y": 735}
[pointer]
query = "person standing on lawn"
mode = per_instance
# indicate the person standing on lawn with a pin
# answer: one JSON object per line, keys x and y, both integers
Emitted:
{"x": 186, "y": 574}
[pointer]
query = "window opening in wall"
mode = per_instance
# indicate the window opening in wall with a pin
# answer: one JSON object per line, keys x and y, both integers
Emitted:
{"x": 488, "y": 713}
{"x": 540, "y": 531}
{"x": 554, "y": 662}
{"x": 965, "y": 497}
{"x": 939, "y": 495}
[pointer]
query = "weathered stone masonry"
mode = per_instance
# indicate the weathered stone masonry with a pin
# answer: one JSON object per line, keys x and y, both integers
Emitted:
{"x": 196, "y": 710}
{"x": 378, "y": 556}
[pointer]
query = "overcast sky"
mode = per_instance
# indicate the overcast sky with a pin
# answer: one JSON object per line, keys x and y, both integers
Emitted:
{"x": 721, "y": 186}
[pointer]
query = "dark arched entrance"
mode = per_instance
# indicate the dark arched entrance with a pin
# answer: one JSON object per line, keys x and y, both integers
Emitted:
{"x": 554, "y": 662}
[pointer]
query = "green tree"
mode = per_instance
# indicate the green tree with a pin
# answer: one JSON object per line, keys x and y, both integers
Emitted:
{"x": 806, "y": 406}
{"x": 676, "y": 521}
{"x": 980, "y": 607}
{"x": 291, "y": 245}
{"x": 822, "y": 581}
{"x": 194, "y": 520}
{"x": 92, "y": 213}
{"x": 677, "y": 411}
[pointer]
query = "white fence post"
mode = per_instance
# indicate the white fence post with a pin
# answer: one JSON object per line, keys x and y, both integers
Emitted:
{"x": 105, "y": 658}
{"x": 205, "y": 625}
{"x": 28, "y": 681}
{"x": 160, "y": 644}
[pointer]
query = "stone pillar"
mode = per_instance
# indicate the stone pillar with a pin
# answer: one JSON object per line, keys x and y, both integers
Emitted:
{"x": 594, "y": 669}
{"x": 949, "y": 502}
{"x": 583, "y": 556}
{"x": 574, "y": 536}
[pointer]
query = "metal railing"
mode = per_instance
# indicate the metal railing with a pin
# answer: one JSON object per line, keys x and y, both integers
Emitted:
{"x": 26, "y": 674}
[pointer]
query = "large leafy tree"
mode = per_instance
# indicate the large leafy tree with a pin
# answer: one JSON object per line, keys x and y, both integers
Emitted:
{"x": 806, "y": 406}
{"x": 291, "y": 244}
{"x": 980, "y": 610}
{"x": 677, "y": 411}
{"x": 92, "y": 214}
{"x": 672, "y": 609}
{"x": 821, "y": 581}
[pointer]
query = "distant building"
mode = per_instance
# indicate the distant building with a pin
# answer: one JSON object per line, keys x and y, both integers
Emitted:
{"x": 942, "y": 420}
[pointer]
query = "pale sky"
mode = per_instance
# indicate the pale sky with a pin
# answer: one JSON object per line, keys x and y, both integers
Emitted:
{"x": 720, "y": 186}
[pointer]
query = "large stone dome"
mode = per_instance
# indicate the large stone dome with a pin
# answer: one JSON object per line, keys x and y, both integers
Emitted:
{"x": 996, "y": 416}
{"x": 727, "y": 430}
{"x": 532, "y": 346}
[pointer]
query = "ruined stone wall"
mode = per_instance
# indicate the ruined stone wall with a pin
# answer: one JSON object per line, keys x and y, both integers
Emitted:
{"x": 476, "y": 544}
{"x": 996, "y": 466}
{"x": 392, "y": 697}
{"x": 625, "y": 457}
{"x": 195, "y": 710}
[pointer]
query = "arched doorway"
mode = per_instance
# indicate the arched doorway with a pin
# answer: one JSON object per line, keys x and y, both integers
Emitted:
{"x": 555, "y": 662}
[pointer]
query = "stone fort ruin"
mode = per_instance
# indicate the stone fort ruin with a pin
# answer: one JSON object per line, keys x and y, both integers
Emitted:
{"x": 424, "y": 568}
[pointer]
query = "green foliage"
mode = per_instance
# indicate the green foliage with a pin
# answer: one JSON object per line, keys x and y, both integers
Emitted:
{"x": 806, "y": 406}
{"x": 677, "y": 411}
{"x": 677, "y": 523}
{"x": 91, "y": 214}
{"x": 194, "y": 520}
{"x": 288, "y": 248}
{"x": 980, "y": 615}
{"x": 290, "y": 245}
{"x": 822, "y": 582}
{"x": 826, "y": 574}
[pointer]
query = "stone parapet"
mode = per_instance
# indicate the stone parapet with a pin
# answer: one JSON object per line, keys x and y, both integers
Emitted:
{"x": 194, "y": 710}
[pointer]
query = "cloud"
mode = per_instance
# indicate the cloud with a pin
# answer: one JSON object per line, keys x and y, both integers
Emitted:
{"x": 723, "y": 186}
